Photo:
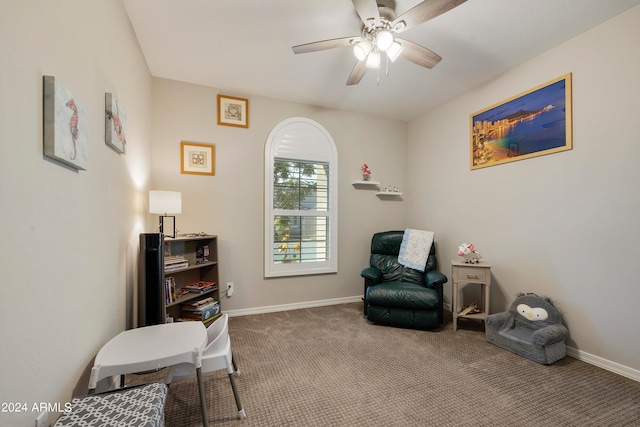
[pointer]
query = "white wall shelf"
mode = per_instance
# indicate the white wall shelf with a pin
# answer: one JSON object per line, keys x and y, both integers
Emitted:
{"x": 366, "y": 183}
{"x": 375, "y": 185}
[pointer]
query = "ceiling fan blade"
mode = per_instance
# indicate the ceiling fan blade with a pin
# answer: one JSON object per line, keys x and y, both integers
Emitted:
{"x": 357, "y": 73}
{"x": 418, "y": 54}
{"x": 367, "y": 11}
{"x": 423, "y": 12}
{"x": 323, "y": 45}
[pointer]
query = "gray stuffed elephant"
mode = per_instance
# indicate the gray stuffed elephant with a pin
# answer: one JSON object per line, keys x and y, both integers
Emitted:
{"x": 532, "y": 328}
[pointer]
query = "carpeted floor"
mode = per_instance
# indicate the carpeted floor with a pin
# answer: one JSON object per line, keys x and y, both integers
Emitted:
{"x": 329, "y": 366}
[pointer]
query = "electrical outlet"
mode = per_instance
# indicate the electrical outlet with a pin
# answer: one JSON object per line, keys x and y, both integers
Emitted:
{"x": 229, "y": 289}
{"x": 42, "y": 420}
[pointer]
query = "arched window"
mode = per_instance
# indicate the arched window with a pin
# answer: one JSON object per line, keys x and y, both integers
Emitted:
{"x": 301, "y": 181}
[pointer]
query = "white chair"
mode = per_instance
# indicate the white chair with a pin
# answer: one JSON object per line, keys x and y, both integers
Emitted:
{"x": 216, "y": 356}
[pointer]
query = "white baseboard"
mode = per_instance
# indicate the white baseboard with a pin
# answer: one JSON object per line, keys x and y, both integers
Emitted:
{"x": 608, "y": 365}
{"x": 293, "y": 306}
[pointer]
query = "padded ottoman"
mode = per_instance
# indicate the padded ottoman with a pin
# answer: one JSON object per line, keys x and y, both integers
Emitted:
{"x": 139, "y": 406}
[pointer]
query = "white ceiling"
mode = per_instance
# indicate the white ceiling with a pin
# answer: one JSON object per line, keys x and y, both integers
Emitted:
{"x": 243, "y": 47}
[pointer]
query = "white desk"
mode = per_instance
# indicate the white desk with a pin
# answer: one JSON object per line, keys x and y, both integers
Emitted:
{"x": 153, "y": 347}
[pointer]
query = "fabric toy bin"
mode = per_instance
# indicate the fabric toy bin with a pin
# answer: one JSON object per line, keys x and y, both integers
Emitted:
{"x": 138, "y": 406}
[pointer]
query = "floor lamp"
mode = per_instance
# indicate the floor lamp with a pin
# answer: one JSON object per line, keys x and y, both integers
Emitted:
{"x": 166, "y": 204}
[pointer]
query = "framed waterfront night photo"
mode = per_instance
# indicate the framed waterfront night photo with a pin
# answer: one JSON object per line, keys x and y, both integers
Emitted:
{"x": 531, "y": 124}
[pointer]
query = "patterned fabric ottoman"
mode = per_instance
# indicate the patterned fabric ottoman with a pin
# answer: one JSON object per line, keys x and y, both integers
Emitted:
{"x": 139, "y": 406}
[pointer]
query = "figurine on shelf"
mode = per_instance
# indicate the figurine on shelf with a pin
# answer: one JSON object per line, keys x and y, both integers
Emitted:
{"x": 469, "y": 254}
{"x": 366, "y": 173}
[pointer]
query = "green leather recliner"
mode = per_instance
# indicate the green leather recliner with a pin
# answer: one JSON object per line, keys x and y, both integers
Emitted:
{"x": 395, "y": 295}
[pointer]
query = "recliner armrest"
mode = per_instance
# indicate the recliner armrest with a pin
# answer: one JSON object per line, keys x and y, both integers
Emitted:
{"x": 434, "y": 277}
{"x": 372, "y": 274}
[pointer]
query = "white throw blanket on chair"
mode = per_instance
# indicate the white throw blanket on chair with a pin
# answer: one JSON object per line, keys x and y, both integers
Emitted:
{"x": 415, "y": 248}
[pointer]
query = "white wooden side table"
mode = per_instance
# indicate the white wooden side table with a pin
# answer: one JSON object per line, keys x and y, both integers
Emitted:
{"x": 464, "y": 273}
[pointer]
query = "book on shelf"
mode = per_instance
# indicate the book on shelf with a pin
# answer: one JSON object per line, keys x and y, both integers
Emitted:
{"x": 472, "y": 309}
{"x": 210, "y": 320}
{"x": 202, "y": 254}
{"x": 175, "y": 262}
{"x": 170, "y": 289}
{"x": 201, "y": 286}
{"x": 206, "y": 322}
{"x": 194, "y": 305}
{"x": 203, "y": 313}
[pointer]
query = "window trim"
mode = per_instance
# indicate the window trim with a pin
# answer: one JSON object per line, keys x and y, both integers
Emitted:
{"x": 321, "y": 149}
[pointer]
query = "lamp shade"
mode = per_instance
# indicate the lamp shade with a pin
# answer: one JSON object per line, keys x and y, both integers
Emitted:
{"x": 165, "y": 202}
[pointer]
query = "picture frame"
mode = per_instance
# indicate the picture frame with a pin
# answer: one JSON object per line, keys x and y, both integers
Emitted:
{"x": 233, "y": 111}
{"x": 197, "y": 158}
{"x": 115, "y": 122}
{"x": 65, "y": 125}
{"x": 531, "y": 124}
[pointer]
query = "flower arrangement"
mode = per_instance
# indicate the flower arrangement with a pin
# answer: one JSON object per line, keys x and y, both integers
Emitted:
{"x": 468, "y": 252}
{"x": 366, "y": 173}
{"x": 290, "y": 254}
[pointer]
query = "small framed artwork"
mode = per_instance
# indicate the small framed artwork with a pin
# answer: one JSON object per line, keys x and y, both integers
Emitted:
{"x": 65, "y": 128}
{"x": 197, "y": 159}
{"x": 115, "y": 121}
{"x": 233, "y": 111}
{"x": 531, "y": 124}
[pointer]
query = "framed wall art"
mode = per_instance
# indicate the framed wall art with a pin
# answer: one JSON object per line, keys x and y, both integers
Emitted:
{"x": 65, "y": 128}
{"x": 115, "y": 122}
{"x": 233, "y": 111}
{"x": 531, "y": 124}
{"x": 197, "y": 159}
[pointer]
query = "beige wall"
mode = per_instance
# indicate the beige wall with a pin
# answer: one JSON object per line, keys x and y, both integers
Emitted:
{"x": 230, "y": 204}
{"x": 564, "y": 225}
{"x": 69, "y": 239}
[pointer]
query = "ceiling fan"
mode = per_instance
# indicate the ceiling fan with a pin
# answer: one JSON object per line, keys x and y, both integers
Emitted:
{"x": 379, "y": 27}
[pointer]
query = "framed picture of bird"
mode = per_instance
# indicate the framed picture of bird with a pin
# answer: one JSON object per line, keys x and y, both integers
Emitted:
{"x": 65, "y": 128}
{"x": 115, "y": 121}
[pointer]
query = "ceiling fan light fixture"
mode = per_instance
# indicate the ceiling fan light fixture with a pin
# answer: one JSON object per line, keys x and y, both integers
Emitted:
{"x": 394, "y": 51}
{"x": 361, "y": 50}
{"x": 399, "y": 26}
{"x": 377, "y": 39}
{"x": 373, "y": 60}
{"x": 384, "y": 40}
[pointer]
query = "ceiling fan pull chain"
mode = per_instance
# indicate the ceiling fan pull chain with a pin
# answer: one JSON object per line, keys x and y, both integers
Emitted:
{"x": 386, "y": 71}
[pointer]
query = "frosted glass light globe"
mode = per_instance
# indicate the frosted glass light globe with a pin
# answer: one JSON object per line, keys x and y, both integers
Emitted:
{"x": 362, "y": 49}
{"x": 384, "y": 40}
